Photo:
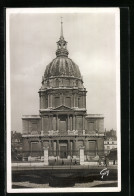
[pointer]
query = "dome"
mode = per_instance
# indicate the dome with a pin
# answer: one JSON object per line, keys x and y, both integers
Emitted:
{"x": 62, "y": 66}
{"x": 62, "y": 72}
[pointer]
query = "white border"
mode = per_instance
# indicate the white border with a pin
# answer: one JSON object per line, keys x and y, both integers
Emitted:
{"x": 9, "y": 11}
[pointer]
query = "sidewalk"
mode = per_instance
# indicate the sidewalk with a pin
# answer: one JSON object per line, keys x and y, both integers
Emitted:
{"x": 40, "y": 166}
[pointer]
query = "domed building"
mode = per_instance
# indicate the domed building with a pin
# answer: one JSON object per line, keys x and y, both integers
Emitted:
{"x": 63, "y": 124}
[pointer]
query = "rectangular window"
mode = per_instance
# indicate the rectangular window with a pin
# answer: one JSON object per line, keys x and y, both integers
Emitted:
{"x": 79, "y": 104}
{"x": 46, "y": 103}
{"x": 68, "y": 101}
{"x": 92, "y": 148}
{"x": 91, "y": 126}
{"x": 79, "y": 123}
{"x": 35, "y": 148}
{"x": 57, "y": 101}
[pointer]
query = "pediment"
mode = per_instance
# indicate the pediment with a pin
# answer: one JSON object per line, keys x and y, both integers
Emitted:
{"x": 63, "y": 108}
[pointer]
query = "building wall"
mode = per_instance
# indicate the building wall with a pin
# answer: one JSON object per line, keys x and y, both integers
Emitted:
{"x": 34, "y": 146}
{"x": 68, "y": 98}
{"x": 31, "y": 126}
{"x": 94, "y": 125}
{"x": 47, "y": 123}
{"x": 108, "y": 145}
{"x": 100, "y": 146}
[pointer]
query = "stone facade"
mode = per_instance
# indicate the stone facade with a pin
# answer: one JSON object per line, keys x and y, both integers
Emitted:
{"x": 63, "y": 124}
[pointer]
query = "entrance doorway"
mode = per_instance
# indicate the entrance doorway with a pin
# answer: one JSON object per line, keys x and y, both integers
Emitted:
{"x": 63, "y": 152}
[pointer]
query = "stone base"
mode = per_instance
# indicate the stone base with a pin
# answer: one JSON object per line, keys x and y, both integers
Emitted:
{"x": 34, "y": 158}
{"x": 89, "y": 163}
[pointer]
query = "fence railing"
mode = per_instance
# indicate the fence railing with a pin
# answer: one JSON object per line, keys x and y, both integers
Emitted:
{"x": 59, "y": 157}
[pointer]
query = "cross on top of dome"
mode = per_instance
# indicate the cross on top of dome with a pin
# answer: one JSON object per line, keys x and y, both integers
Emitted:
{"x": 62, "y": 44}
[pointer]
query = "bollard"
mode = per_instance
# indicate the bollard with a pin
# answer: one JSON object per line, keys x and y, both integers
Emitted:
{"x": 81, "y": 155}
{"x": 45, "y": 155}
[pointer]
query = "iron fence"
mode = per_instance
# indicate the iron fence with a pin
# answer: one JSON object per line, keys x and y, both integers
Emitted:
{"x": 60, "y": 157}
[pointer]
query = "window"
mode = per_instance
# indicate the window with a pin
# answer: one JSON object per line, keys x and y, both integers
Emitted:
{"x": 35, "y": 148}
{"x": 46, "y": 102}
{"x": 57, "y": 83}
{"x": 57, "y": 101}
{"x": 79, "y": 123}
{"x": 78, "y": 102}
{"x": 68, "y": 101}
{"x": 91, "y": 126}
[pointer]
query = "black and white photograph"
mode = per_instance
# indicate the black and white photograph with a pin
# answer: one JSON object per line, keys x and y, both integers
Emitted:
{"x": 63, "y": 100}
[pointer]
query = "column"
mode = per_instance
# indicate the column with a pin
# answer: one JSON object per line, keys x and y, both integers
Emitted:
{"x": 57, "y": 148}
{"x": 83, "y": 122}
{"x": 85, "y": 100}
{"x": 85, "y": 152}
{"x": 48, "y": 101}
{"x": 74, "y": 148}
{"x": 29, "y": 154}
{"x": 51, "y": 122}
{"x": 52, "y": 143}
{"x": 42, "y": 125}
{"x": 96, "y": 147}
{"x": 61, "y": 99}
{"x": 50, "y": 148}
{"x": 40, "y": 102}
{"x": 69, "y": 148}
{"x": 73, "y": 122}
{"x": 46, "y": 156}
{"x": 57, "y": 122}
{"x": 74, "y": 99}
{"x": 87, "y": 148}
{"x": 49, "y": 118}
{"x": 67, "y": 122}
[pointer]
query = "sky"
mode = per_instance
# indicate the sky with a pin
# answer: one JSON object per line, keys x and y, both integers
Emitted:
{"x": 91, "y": 45}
